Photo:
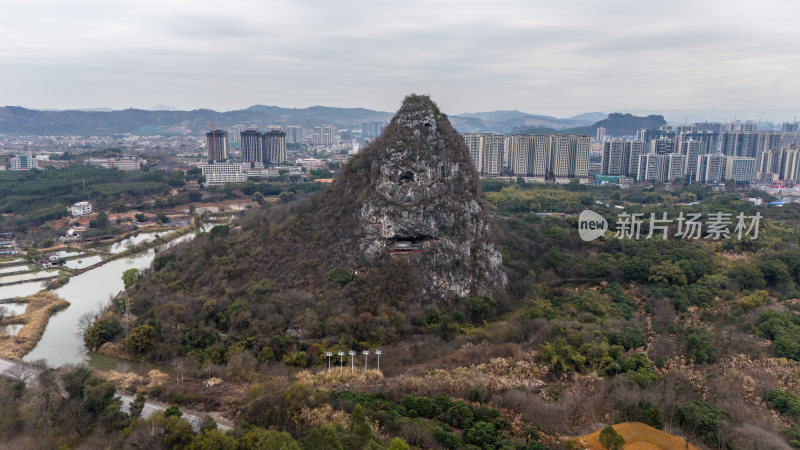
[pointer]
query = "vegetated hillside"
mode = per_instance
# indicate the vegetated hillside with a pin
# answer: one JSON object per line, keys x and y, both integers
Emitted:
{"x": 17, "y": 120}
{"x": 510, "y": 121}
{"x": 698, "y": 337}
{"x": 619, "y": 124}
{"x": 402, "y": 229}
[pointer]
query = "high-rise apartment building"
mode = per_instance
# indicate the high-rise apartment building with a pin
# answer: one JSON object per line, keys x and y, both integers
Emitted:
{"x": 691, "y": 149}
{"x": 637, "y": 149}
{"x": 519, "y": 154}
{"x": 711, "y": 168}
{"x": 790, "y": 164}
{"x": 217, "y": 145}
{"x": 569, "y": 156}
{"x": 234, "y": 134}
{"x": 473, "y": 143}
{"x": 324, "y": 135}
{"x": 492, "y": 148}
{"x": 294, "y": 134}
{"x": 664, "y": 167}
{"x": 372, "y": 129}
{"x": 600, "y": 134}
{"x": 615, "y": 157}
{"x": 740, "y": 169}
{"x": 274, "y": 147}
{"x": 251, "y": 146}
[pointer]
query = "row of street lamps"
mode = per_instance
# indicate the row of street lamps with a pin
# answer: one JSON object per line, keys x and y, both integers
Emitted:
{"x": 352, "y": 354}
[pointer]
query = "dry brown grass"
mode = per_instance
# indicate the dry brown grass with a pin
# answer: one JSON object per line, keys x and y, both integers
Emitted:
{"x": 121, "y": 379}
{"x": 115, "y": 350}
{"x": 40, "y": 307}
{"x": 638, "y": 436}
{"x": 334, "y": 378}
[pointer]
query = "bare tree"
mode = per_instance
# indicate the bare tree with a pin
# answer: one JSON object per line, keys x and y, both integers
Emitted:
{"x": 20, "y": 373}
{"x": 85, "y": 321}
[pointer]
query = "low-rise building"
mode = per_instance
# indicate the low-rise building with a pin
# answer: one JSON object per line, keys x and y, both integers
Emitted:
{"x": 22, "y": 162}
{"x": 125, "y": 163}
{"x": 80, "y": 209}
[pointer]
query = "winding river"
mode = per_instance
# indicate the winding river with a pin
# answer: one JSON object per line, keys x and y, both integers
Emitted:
{"x": 88, "y": 292}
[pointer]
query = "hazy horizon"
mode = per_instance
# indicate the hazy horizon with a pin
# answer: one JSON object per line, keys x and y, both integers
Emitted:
{"x": 538, "y": 57}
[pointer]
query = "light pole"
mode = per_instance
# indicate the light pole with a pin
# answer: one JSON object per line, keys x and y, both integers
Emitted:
{"x": 341, "y": 353}
{"x": 378, "y": 354}
{"x": 365, "y": 353}
{"x": 352, "y": 353}
{"x": 329, "y": 354}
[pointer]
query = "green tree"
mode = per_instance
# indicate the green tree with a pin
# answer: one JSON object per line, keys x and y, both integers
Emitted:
{"x": 137, "y": 405}
{"x": 101, "y": 221}
{"x": 747, "y": 275}
{"x": 101, "y": 332}
{"x": 784, "y": 402}
{"x": 359, "y": 431}
{"x": 212, "y": 440}
{"x": 398, "y": 444}
{"x": 140, "y": 217}
{"x": 140, "y": 339}
{"x": 610, "y": 439}
{"x": 173, "y": 411}
{"x": 667, "y": 272}
{"x": 130, "y": 276}
{"x": 322, "y": 437}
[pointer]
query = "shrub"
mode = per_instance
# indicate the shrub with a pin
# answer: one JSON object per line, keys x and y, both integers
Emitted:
{"x": 610, "y": 439}
{"x": 341, "y": 276}
{"x": 753, "y": 300}
{"x": 702, "y": 419}
{"x": 784, "y": 402}
{"x": 101, "y": 332}
{"x": 699, "y": 347}
{"x": 140, "y": 339}
{"x": 783, "y": 329}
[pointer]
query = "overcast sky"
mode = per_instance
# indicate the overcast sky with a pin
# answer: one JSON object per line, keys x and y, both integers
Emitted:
{"x": 556, "y": 57}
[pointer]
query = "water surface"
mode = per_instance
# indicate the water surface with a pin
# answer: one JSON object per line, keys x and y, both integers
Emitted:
{"x": 88, "y": 292}
{"x": 13, "y": 269}
{"x": 20, "y": 290}
{"x": 125, "y": 244}
{"x": 29, "y": 276}
{"x": 13, "y": 309}
{"x": 82, "y": 263}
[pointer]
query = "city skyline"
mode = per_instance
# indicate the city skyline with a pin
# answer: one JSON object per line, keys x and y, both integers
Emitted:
{"x": 561, "y": 60}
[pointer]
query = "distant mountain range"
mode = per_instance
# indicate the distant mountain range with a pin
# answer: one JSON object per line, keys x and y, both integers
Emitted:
{"x": 162, "y": 119}
{"x": 17, "y": 120}
{"x": 619, "y": 124}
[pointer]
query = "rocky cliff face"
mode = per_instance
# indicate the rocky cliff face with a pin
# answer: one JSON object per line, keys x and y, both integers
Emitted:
{"x": 422, "y": 203}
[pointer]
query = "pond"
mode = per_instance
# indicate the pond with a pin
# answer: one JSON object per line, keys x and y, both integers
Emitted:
{"x": 12, "y": 309}
{"x": 84, "y": 262}
{"x": 21, "y": 290}
{"x": 13, "y": 269}
{"x": 12, "y": 261}
{"x": 133, "y": 241}
{"x": 29, "y": 276}
{"x": 66, "y": 254}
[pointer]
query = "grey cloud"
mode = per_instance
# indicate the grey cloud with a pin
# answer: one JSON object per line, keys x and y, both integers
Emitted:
{"x": 545, "y": 57}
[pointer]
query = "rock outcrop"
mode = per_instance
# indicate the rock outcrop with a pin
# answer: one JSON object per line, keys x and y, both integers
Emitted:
{"x": 422, "y": 202}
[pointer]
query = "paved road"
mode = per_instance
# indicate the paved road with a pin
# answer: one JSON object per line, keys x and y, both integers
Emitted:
{"x": 30, "y": 374}
{"x": 150, "y": 408}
